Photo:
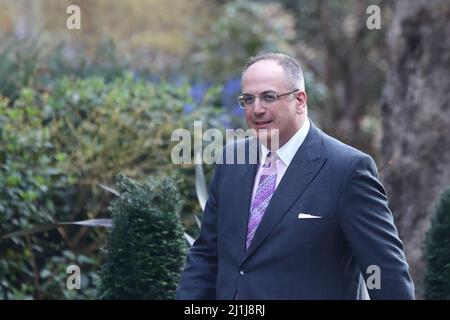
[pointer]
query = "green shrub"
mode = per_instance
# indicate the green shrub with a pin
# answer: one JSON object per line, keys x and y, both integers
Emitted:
{"x": 18, "y": 66}
{"x": 146, "y": 248}
{"x": 437, "y": 252}
{"x": 24, "y": 63}
{"x": 56, "y": 146}
{"x": 31, "y": 193}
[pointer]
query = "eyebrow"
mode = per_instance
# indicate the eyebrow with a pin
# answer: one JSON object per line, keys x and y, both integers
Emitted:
{"x": 266, "y": 91}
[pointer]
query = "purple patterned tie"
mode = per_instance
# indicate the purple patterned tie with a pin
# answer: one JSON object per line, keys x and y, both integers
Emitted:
{"x": 264, "y": 192}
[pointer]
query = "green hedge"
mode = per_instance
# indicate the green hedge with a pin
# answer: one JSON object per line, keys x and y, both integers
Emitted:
{"x": 437, "y": 252}
{"x": 56, "y": 146}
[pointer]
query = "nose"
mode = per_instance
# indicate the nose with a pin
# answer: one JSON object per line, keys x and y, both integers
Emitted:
{"x": 258, "y": 108}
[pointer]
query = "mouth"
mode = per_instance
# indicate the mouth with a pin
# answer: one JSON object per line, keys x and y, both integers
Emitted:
{"x": 262, "y": 124}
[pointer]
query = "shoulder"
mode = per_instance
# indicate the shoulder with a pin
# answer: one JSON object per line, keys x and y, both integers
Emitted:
{"x": 343, "y": 156}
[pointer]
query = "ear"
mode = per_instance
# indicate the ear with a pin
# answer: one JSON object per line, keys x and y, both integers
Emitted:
{"x": 301, "y": 98}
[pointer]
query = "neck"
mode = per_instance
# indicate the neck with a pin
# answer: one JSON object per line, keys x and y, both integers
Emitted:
{"x": 273, "y": 141}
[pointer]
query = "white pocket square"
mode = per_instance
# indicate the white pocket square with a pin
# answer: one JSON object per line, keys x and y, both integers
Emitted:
{"x": 307, "y": 216}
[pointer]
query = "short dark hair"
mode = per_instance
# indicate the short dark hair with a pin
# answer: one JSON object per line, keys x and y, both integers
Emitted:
{"x": 290, "y": 66}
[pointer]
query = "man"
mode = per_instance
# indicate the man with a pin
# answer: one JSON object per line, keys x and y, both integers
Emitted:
{"x": 309, "y": 221}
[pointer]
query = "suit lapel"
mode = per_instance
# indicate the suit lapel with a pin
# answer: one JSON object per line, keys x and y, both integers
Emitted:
{"x": 305, "y": 165}
{"x": 244, "y": 188}
{"x": 246, "y": 180}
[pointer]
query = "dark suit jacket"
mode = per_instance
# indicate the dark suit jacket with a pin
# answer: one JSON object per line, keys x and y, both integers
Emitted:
{"x": 292, "y": 258}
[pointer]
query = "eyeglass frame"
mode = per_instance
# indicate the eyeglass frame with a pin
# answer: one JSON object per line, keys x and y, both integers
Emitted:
{"x": 277, "y": 97}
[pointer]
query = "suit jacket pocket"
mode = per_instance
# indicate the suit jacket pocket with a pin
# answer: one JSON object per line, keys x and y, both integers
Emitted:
{"x": 309, "y": 233}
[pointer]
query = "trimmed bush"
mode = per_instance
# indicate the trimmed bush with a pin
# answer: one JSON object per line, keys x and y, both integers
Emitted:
{"x": 146, "y": 248}
{"x": 437, "y": 252}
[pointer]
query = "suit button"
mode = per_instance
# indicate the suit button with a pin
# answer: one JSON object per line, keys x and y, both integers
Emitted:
{"x": 242, "y": 273}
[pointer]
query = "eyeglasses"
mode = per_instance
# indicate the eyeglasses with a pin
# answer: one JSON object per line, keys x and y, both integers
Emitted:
{"x": 268, "y": 97}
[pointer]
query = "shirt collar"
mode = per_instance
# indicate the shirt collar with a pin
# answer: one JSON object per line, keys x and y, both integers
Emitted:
{"x": 287, "y": 152}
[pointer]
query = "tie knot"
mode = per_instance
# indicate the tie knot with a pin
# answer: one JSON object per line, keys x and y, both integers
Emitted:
{"x": 270, "y": 159}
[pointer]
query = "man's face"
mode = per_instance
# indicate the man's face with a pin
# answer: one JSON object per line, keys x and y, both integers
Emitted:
{"x": 286, "y": 114}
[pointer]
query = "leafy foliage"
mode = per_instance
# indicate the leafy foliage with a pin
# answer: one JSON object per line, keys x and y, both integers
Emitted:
{"x": 24, "y": 63}
{"x": 18, "y": 66}
{"x": 56, "y": 146}
{"x": 241, "y": 29}
{"x": 146, "y": 248}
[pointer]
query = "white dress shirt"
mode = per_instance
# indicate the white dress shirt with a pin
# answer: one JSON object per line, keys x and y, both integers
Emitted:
{"x": 285, "y": 154}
